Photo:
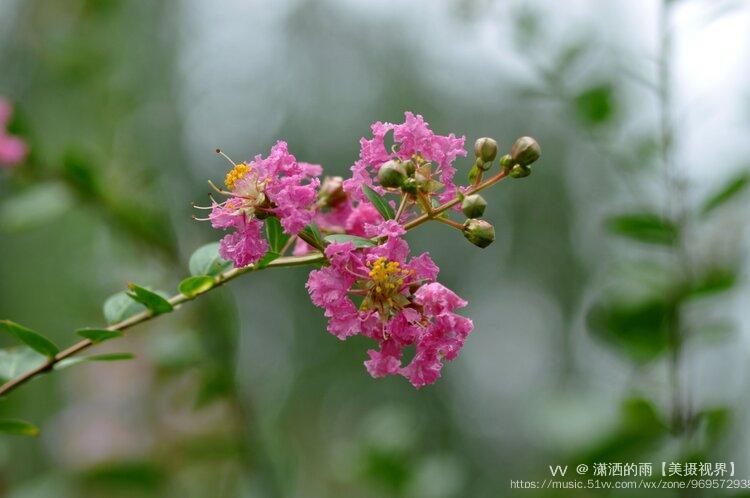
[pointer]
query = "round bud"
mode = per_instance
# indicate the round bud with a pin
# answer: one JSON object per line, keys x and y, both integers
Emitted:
{"x": 479, "y": 232}
{"x": 332, "y": 191}
{"x": 392, "y": 174}
{"x": 506, "y": 162}
{"x": 485, "y": 149}
{"x": 409, "y": 186}
{"x": 473, "y": 206}
{"x": 410, "y": 168}
{"x": 525, "y": 151}
{"x": 520, "y": 171}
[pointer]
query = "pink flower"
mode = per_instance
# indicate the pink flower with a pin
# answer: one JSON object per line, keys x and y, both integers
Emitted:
{"x": 13, "y": 150}
{"x": 413, "y": 140}
{"x": 400, "y": 304}
{"x": 278, "y": 186}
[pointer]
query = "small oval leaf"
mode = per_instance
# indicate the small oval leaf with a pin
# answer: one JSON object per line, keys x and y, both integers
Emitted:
{"x": 17, "y": 360}
{"x": 206, "y": 261}
{"x": 150, "y": 299}
{"x": 99, "y": 335}
{"x": 32, "y": 339}
{"x": 379, "y": 202}
{"x": 338, "y": 238}
{"x": 275, "y": 234}
{"x": 192, "y": 286}
{"x": 18, "y": 427}
{"x": 119, "y": 307}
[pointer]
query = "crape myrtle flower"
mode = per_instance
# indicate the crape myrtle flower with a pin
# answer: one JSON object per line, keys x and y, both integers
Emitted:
{"x": 430, "y": 156}
{"x": 13, "y": 150}
{"x": 381, "y": 293}
{"x": 278, "y": 186}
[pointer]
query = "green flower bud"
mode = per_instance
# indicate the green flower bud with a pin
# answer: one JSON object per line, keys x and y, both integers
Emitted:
{"x": 482, "y": 165}
{"x": 332, "y": 191}
{"x": 473, "y": 206}
{"x": 520, "y": 171}
{"x": 392, "y": 174}
{"x": 506, "y": 162}
{"x": 410, "y": 168}
{"x": 409, "y": 186}
{"x": 485, "y": 149}
{"x": 525, "y": 151}
{"x": 479, "y": 232}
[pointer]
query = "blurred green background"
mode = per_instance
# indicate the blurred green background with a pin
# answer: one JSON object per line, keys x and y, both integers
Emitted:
{"x": 611, "y": 314}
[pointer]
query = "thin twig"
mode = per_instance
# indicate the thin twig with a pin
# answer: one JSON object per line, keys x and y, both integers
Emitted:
{"x": 147, "y": 315}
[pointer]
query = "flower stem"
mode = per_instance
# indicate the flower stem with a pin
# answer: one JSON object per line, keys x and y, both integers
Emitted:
{"x": 147, "y": 315}
{"x": 447, "y": 221}
{"x": 419, "y": 220}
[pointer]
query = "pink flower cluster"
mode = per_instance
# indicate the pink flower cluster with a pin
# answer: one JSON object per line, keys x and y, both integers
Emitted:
{"x": 275, "y": 186}
{"x": 400, "y": 305}
{"x": 413, "y": 140}
{"x": 13, "y": 150}
{"x": 372, "y": 288}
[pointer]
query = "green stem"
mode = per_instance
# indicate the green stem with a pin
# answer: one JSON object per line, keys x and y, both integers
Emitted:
{"x": 177, "y": 299}
{"x": 147, "y": 315}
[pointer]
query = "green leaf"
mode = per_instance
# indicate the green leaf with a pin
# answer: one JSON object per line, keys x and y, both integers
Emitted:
{"x": 342, "y": 237}
{"x": 99, "y": 335}
{"x": 275, "y": 234}
{"x": 729, "y": 191}
{"x": 714, "y": 281}
{"x": 35, "y": 206}
{"x": 596, "y": 105}
{"x": 18, "y": 427}
{"x": 644, "y": 227}
{"x": 311, "y": 235}
{"x": 119, "y": 307}
{"x": 206, "y": 261}
{"x": 17, "y": 360}
{"x": 267, "y": 258}
{"x": 379, "y": 202}
{"x": 192, "y": 286}
{"x": 32, "y": 339}
{"x": 68, "y": 362}
{"x": 639, "y": 329}
{"x": 151, "y": 300}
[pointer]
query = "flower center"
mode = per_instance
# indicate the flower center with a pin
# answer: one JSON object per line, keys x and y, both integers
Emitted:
{"x": 237, "y": 173}
{"x": 384, "y": 286}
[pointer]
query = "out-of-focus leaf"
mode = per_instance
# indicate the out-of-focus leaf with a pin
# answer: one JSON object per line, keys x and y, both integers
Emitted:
{"x": 151, "y": 300}
{"x": 119, "y": 307}
{"x": 192, "y": 286}
{"x": 729, "y": 191}
{"x": 379, "y": 202}
{"x": 68, "y": 362}
{"x": 35, "y": 206}
{"x": 17, "y": 360}
{"x": 32, "y": 339}
{"x": 714, "y": 281}
{"x": 391, "y": 470}
{"x": 81, "y": 174}
{"x": 644, "y": 227}
{"x": 339, "y": 238}
{"x": 596, "y": 105}
{"x": 126, "y": 475}
{"x": 206, "y": 261}
{"x": 716, "y": 422}
{"x": 99, "y": 335}
{"x": 640, "y": 330}
{"x": 18, "y": 427}
{"x": 640, "y": 428}
{"x": 275, "y": 234}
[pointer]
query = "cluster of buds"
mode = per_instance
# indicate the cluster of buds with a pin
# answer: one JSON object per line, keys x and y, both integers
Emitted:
{"x": 524, "y": 152}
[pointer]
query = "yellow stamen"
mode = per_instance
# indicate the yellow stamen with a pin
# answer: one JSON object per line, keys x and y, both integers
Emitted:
{"x": 239, "y": 171}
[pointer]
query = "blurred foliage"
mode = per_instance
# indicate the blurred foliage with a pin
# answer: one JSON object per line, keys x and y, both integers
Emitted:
{"x": 122, "y": 104}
